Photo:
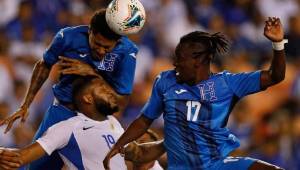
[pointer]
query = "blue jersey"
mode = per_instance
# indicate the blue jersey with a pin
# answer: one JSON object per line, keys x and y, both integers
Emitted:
{"x": 195, "y": 117}
{"x": 117, "y": 67}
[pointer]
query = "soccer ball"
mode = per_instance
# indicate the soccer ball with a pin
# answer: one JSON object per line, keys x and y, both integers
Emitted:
{"x": 125, "y": 16}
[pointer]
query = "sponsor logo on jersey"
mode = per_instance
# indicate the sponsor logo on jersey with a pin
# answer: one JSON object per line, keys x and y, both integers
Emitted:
{"x": 82, "y": 55}
{"x": 133, "y": 55}
{"x": 180, "y": 91}
{"x": 86, "y": 128}
{"x": 108, "y": 62}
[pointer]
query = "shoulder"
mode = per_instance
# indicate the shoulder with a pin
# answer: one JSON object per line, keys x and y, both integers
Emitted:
{"x": 69, "y": 124}
{"x": 240, "y": 76}
{"x": 75, "y": 29}
{"x": 230, "y": 74}
{"x": 166, "y": 79}
{"x": 223, "y": 74}
{"x": 64, "y": 128}
{"x": 73, "y": 32}
{"x": 125, "y": 44}
{"x": 169, "y": 75}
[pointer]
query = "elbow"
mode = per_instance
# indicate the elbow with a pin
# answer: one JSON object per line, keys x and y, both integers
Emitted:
{"x": 40, "y": 63}
{"x": 278, "y": 79}
{"x": 281, "y": 78}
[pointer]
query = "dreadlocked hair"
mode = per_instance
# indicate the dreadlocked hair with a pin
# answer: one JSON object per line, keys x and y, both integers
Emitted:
{"x": 216, "y": 43}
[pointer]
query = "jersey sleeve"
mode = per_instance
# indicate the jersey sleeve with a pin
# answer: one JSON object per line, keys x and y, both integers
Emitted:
{"x": 243, "y": 84}
{"x": 154, "y": 107}
{"x": 127, "y": 70}
{"x": 56, "y": 137}
{"x": 55, "y": 49}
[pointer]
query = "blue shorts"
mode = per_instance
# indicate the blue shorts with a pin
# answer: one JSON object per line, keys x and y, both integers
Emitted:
{"x": 54, "y": 114}
{"x": 234, "y": 163}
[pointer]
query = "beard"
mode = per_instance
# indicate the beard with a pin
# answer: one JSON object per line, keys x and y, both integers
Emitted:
{"x": 106, "y": 108}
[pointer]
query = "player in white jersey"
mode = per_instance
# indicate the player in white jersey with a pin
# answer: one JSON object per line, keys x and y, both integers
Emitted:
{"x": 82, "y": 141}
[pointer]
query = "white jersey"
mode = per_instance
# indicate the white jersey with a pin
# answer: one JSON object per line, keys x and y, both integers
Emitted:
{"x": 83, "y": 143}
{"x": 156, "y": 166}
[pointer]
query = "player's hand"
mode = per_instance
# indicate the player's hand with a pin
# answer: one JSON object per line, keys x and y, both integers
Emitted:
{"x": 22, "y": 113}
{"x": 273, "y": 29}
{"x": 131, "y": 151}
{"x": 73, "y": 66}
{"x": 9, "y": 159}
{"x": 110, "y": 154}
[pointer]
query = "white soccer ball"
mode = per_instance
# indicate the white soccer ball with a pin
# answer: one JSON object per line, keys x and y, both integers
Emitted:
{"x": 125, "y": 16}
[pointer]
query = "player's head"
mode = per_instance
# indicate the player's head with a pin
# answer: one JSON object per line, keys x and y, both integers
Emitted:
{"x": 196, "y": 50}
{"x": 94, "y": 93}
{"x": 101, "y": 38}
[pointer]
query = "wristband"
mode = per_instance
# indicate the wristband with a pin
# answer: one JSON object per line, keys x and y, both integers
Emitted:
{"x": 278, "y": 46}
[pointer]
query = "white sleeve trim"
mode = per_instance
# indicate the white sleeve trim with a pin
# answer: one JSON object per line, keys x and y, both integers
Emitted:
{"x": 44, "y": 145}
{"x": 57, "y": 136}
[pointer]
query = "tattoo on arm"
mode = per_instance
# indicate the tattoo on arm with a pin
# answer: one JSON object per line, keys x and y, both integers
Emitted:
{"x": 39, "y": 76}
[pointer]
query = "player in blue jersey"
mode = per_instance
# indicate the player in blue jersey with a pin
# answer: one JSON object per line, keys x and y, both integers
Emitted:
{"x": 89, "y": 50}
{"x": 196, "y": 103}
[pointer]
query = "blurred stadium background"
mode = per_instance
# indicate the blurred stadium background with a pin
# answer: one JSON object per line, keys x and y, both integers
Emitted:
{"x": 268, "y": 123}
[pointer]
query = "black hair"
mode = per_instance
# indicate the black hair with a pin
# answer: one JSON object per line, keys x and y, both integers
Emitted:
{"x": 215, "y": 43}
{"x": 80, "y": 84}
{"x": 98, "y": 25}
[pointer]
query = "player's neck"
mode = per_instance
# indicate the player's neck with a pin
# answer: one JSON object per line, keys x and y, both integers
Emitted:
{"x": 94, "y": 114}
{"x": 99, "y": 117}
{"x": 203, "y": 73}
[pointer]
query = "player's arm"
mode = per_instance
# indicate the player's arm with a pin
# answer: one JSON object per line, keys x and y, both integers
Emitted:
{"x": 144, "y": 152}
{"x": 31, "y": 153}
{"x": 77, "y": 67}
{"x": 136, "y": 129}
{"x": 39, "y": 76}
{"x": 15, "y": 158}
{"x": 274, "y": 31}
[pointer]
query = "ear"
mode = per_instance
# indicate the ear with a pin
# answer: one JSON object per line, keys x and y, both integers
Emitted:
{"x": 88, "y": 99}
{"x": 90, "y": 31}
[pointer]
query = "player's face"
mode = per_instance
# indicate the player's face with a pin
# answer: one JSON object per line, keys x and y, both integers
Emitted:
{"x": 100, "y": 45}
{"x": 188, "y": 58}
{"x": 104, "y": 98}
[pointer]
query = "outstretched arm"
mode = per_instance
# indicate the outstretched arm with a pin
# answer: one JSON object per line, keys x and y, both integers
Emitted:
{"x": 15, "y": 158}
{"x": 31, "y": 153}
{"x": 273, "y": 31}
{"x": 134, "y": 131}
{"x": 39, "y": 76}
{"x": 144, "y": 152}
